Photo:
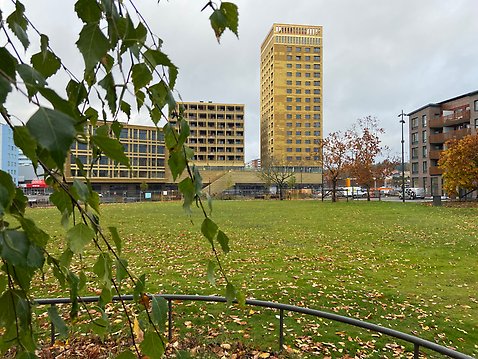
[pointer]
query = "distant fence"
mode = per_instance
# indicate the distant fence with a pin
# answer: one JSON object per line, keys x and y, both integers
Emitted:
{"x": 416, "y": 341}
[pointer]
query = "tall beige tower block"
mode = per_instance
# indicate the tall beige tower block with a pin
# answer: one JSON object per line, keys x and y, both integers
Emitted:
{"x": 291, "y": 97}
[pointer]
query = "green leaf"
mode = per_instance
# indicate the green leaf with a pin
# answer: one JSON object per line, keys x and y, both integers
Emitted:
{"x": 170, "y": 137}
{"x": 92, "y": 44}
{"x": 57, "y": 321}
{"x": 26, "y": 142}
{"x": 103, "y": 269}
{"x": 209, "y": 229}
{"x": 54, "y": 131}
{"x": 140, "y": 96}
{"x": 159, "y": 311}
{"x": 241, "y": 298}
{"x": 59, "y": 103}
{"x": 81, "y": 190}
{"x": 94, "y": 201}
{"x": 230, "y": 293}
{"x": 226, "y": 16}
{"x": 160, "y": 95}
{"x": 177, "y": 163}
{"x": 184, "y": 132}
{"x": 210, "y": 272}
{"x": 223, "y": 240}
{"x": 88, "y": 10}
{"x": 126, "y": 108}
{"x": 62, "y": 201}
{"x": 128, "y": 354}
{"x": 116, "y": 127}
{"x": 14, "y": 247}
{"x": 46, "y": 63}
{"x": 34, "y": 233}
{"x": 78, "y": 237}
{"x": 112, "y": 148}
{"x": 32, "y": 79}
{"x": 152, "y": 345}
{"x": 7, "y": 73}
{"x": 7, "y": 192}
{"x": 17, "y": 22}
{"x": 155, "y": 58}
{"x": 139, "y": 287}
{"x": 141, "y": 76}
{"x": 116, "y": 239}
{"x": 173, "y": 75}
{"x": 186, "y": 187}
{"x": 76, "y": 92}
{"x": 108, "y": 83}
{"x": 121, "y": 269}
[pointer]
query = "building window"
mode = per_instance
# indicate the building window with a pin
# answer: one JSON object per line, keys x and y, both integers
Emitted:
{"x": 414, "y": 167}
{"x": 298, "y": 149}
{"x": 316, "y": 49}
{"x": 289, "y": 48}
{"x": 289, "y": 115}
{"x": 298, "y": 91}
{"x": 297, "y": 74}
{"x": 316, "y": 133}
{"x": 289, "y": 124}
{"x": 289, "y": 57}
{"x": 298, "y": 49}
{"x": 414, "y": 122}
{"x": 289, "y": 108}
{"x": 414, "y": 138}
{"x": 298, "y": 108}
{"x": 297, "y": 58}
{"x": 424, "y": 136}
{"x": 289, "y": 66}
{"x": 317, "y": 91}
{"x": 298, "y": 124}
{"x": 289, "y": 74}
{"x": 289, "y": 133}
{"x": 289, "y": 82}
{"x": 424, "y": 166}
{"x": 424, "y": 121}
{"x": 289, "y": 99}
{"x": 316, "y": 108}
{"x": 298, "y": 83}
{"x": 298, "y": 116}
{"x": 476, "y": 123}
{"x": 307, "y": 49}
{"x": 288, "y": 90}
{"x": 415, "y": 152}
{"x": 289, "y": 149}
{"x": 476, "y": 105}
{"x": 298, "y": 142}
{"x": 298, "y": 99}
{"x": 307, "y": 108}
{"x": 298, "y": 66}
{"x": 424, "y": 151}
{"x": 316, "y": 58}
{"x": 307, "y": 83}
{"x": 307, "y": 58}
{"x": 307, "y": 74}
{"x": 316, "y": 83}
{"x": 317, "y": 66}
{"x": 298, "y": 133}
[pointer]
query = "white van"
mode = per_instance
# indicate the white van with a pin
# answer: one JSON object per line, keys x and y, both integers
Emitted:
{"x": 412, "y": 193}
{"x": 353, "y": 192}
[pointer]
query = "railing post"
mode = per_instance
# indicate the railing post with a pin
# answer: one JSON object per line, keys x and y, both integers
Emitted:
{"x": 416, "y": 351}
{"x": 281, "y": 329}
{"x": 170, "y": 320}
{"x": 52, "y": 331}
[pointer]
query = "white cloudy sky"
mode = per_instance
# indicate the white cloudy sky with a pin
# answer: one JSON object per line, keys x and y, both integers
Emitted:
{"x": 380, "y": 56}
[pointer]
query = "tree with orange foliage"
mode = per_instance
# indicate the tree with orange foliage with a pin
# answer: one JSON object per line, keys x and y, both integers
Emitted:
{"x": 366, "y": 147}
{"x": 336, "y": 157}
{"x": 459, "y": 163}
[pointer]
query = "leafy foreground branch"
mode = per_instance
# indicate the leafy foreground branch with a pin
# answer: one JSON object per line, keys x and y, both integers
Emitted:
{"x": 125, "y": 70}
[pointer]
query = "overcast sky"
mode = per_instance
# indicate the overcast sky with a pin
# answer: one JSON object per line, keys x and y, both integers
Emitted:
{"x": 379, "y": 56}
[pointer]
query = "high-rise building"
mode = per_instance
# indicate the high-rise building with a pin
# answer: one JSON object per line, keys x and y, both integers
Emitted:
{"x": 8, "y": 152}
{"x": 291, "y": 97}
{"x": 430, "y": 127}
{"x": 216, "y": 133}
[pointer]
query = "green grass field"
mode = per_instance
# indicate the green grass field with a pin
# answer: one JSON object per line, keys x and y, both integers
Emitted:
{"x": 408, "y": 266}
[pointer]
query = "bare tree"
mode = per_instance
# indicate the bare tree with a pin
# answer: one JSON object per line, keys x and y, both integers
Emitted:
{"x": 278, "y": 175}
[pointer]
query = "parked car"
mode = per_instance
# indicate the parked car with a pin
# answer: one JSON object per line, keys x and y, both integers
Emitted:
{"x": 412, "y": 193}
{"x": 352, "y": 192}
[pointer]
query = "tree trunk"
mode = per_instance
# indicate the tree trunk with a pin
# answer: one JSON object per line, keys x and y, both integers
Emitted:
{"x": 334, "y": 191}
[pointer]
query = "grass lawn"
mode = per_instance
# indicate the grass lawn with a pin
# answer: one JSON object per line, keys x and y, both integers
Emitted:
{"x": 408, "y": 266}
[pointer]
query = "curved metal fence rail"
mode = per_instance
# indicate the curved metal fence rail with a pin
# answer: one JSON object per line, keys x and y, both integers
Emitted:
{"x": 416, "y": 341}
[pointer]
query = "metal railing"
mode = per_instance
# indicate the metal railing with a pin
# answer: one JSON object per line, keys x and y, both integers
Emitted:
{"x": 416, "y": 341}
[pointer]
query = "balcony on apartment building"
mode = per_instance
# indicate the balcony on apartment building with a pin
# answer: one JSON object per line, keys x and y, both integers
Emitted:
{"x": 435, "y": 154}
{"x": 450, "y": 120}
{"x": 435, "y": 171}
{"x": 445, "y": 136}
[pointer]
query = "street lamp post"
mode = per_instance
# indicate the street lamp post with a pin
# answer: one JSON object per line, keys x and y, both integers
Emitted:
{"x": 402, "y": 121}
